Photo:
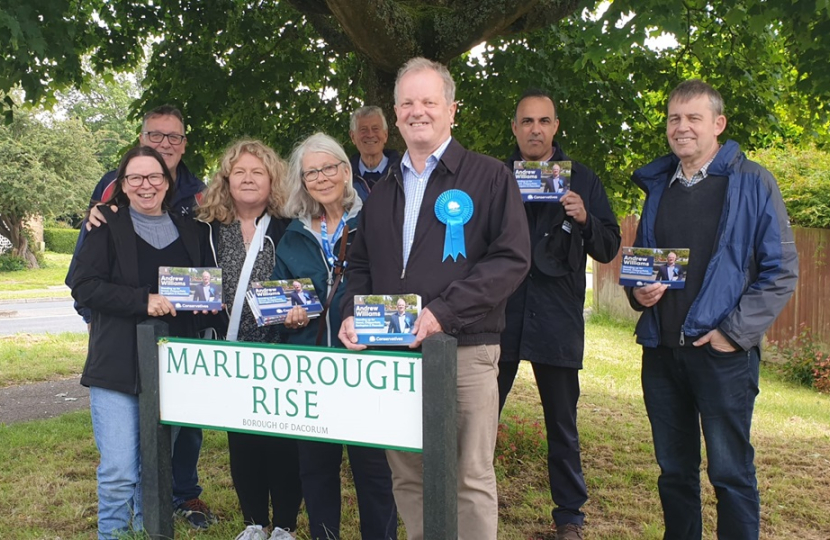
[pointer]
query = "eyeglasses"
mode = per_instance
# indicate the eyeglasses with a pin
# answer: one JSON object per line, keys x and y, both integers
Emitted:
{"x": 136, "y": 180}
{"x": 157, "y": 136}
{"x": 312, "y": 175}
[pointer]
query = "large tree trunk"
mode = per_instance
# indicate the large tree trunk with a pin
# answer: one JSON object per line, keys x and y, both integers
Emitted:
{"x": 387, "y": 33}
{"x": 12, "y": 226}
{"x": 380, "y": 89}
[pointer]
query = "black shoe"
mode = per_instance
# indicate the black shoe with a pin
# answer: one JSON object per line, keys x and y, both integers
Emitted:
{"x": 197, "y": 513}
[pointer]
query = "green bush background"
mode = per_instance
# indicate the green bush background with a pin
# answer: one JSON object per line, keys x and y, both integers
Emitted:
{"x": 61, "y": 240}
{"x": 803, "y": 176}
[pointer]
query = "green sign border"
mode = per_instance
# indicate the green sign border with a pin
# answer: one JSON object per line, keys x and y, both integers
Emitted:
{"x": 283, "y": 346}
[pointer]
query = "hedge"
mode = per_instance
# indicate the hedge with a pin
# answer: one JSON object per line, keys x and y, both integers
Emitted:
{"x": 61, "y": 240}
{"x": 803, "y": 176}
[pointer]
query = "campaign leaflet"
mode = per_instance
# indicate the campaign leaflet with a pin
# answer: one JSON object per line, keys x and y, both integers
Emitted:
{"x": 191, "y": 288}
{"x": 641, "y": 266}
{"x": 270, "y": 301}
{"x": 386, "y": 319}
{"x": 542, "y": 181}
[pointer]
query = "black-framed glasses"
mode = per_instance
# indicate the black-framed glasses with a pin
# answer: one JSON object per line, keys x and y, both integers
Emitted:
{"x": 136, "y": 180}
{"x": 312, "y": 175}
{"x": 157, "y": 136}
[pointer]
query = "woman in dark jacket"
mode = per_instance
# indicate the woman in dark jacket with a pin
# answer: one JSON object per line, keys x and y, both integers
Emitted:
{"x": 243, "y": 206}
{"x": 116, "y": 276}
{"x": 323, "y": 203}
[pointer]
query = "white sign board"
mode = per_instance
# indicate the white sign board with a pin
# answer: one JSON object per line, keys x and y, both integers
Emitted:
{"x": 371, "y": 398}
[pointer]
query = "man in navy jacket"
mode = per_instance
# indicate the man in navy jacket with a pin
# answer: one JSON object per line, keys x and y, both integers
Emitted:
{"x": 701, "y": 343}
{"x": 544, "y": 317}
{"x": 369, "y": 132}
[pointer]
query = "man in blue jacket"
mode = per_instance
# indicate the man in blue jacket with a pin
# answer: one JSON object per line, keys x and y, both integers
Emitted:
{"x": 701, "y": 343}
{"x": 163, "y": 129}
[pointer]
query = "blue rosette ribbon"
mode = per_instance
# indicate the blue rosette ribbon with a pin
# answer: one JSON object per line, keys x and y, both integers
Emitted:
{"x": 454, "y": 208}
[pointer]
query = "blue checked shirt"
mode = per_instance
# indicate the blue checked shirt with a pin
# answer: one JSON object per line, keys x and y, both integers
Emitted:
{"x": 414, "y": 186}
{"x": 697, "y": 177}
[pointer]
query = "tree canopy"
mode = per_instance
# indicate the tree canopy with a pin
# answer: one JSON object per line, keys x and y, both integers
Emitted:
{"x": 47, "y": 170}
{"x": 280, "y": 70}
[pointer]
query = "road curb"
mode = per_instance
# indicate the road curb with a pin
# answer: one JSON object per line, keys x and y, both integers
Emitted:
{"x": 34, "y": 300}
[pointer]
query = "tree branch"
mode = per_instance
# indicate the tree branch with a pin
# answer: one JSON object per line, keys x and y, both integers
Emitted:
{"x": 389, "y": 32}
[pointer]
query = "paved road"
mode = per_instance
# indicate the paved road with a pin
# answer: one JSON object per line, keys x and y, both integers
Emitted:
{"x": 42, "y": 400}
{"x": 39, "y": 317}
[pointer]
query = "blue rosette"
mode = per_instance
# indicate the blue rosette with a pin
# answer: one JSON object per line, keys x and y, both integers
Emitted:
{"x": 454, "y": 208}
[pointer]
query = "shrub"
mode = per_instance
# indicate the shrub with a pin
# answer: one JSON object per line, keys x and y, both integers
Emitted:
{"x": 804, "y": 362}
{"x": 821, "y": 374}
{"x": 803, "y": 176}
{"x": 520, "y": 441}
{"x": 61, "y": 240}
{"x": 11, "y": 263}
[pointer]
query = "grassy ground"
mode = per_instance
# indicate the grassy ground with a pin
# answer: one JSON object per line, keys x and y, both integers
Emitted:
{"x": 26, "y": 358}
{"x": 36, "y": 282}
{"x": 47, "y": 483}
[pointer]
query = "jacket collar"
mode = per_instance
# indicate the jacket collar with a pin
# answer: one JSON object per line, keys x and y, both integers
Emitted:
{"x": 558, "y": 155}
{"x": 661, "y": 169}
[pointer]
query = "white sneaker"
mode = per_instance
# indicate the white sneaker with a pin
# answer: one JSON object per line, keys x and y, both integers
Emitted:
{"x": 281, "y": 534}
{"x": 252, "y": 532}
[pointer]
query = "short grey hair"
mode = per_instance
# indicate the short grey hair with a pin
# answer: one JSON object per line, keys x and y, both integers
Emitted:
{"x": 692, "y": 88}
{"x": 300, "y": 203}
{"x": 365, "y": 112}
{"x": 422, "y": 64}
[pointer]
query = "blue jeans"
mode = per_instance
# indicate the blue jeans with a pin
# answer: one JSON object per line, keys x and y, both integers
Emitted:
{"x": 693, "y": 387}
{"x": 115, "y": 426}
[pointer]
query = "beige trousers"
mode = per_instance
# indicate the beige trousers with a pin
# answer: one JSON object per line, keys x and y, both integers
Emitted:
{"x": 478, "y": 418}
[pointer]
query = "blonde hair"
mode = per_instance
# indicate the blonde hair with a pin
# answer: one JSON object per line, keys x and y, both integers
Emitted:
{"x": 217, "y": 204}
{"x": 300, "y": 203}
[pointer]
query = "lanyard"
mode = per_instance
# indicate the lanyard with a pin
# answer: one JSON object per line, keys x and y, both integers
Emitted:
{"x": 324, "y": 238}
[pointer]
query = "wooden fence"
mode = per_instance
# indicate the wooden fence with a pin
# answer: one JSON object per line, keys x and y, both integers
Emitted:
{"x": 809, "y": 306}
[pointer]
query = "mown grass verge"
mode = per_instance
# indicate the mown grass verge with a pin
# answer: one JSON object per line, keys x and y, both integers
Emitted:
{"x": 47, "y": 484}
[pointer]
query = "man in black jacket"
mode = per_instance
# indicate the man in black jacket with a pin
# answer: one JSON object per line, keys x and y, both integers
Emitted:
{"x": 439, "y": 184}
{"x": 545, "y": 323}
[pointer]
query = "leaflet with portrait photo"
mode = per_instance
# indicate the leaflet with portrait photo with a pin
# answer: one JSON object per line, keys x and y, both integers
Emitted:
{"x": 270, "y": 301}
{"x": 642, "y": 266}
{"x": 386, "y": 320}
{"x": 191, "y": 288}
{"x": 542, "y": 181}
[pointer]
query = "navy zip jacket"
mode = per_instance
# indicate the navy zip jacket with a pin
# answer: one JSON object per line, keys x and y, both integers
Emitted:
{"x": 754, "y": 267}
{"x": 544, "y": 317}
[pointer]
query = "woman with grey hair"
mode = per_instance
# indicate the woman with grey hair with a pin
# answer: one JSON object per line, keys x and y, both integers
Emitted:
{"x": 325, "y": 208}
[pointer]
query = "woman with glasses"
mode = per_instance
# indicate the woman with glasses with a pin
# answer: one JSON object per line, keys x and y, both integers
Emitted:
{"x": 116, "y": 276}
{"x": 325, "y": 209}
{"x": 243, "y": 207}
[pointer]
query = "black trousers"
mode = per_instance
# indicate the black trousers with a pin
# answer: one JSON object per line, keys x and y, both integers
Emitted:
{"x": 320, "y": 474}
{"x": 263, "y": 467}
{"x": 559, "y": 391}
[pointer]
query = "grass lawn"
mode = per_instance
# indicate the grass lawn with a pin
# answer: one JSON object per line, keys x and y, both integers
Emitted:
{"x": 37, "y": 281}
{"x": 26, "y": 358}
{"x": 47, "y": 483}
